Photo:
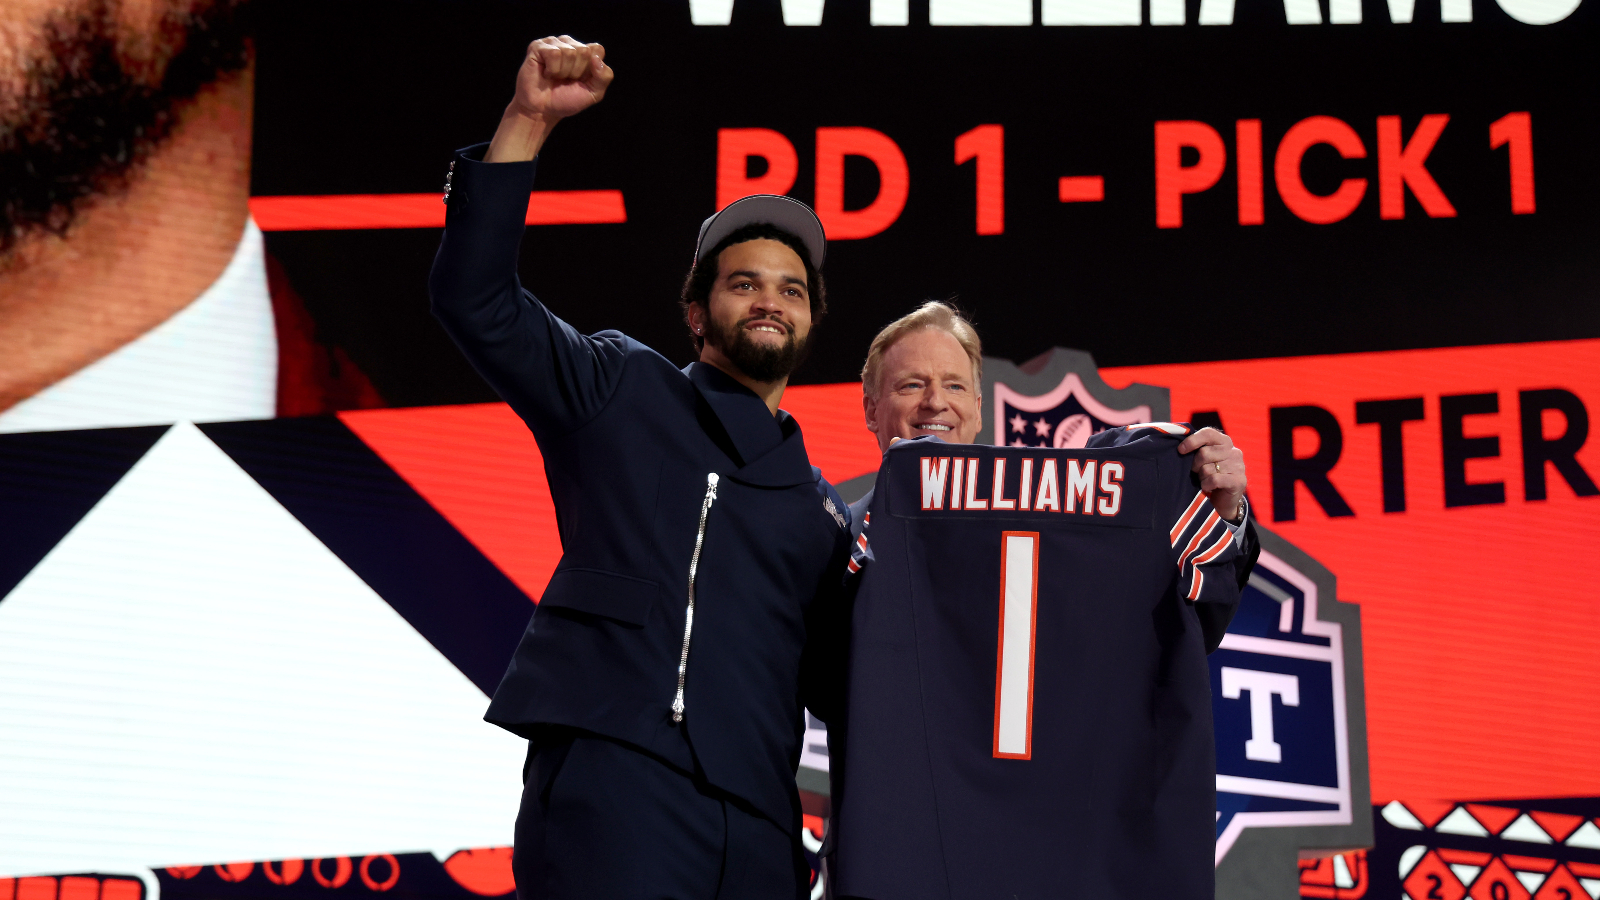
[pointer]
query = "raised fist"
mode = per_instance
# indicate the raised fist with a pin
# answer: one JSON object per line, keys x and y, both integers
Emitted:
{"x": 561, "y": 77}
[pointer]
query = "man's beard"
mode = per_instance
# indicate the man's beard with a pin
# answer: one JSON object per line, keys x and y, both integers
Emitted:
{"x": 761, "y": 363}
{"x": 83, "y": 116}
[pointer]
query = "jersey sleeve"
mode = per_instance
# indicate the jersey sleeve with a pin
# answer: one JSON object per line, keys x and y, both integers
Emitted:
{"x": 861, "y": 548}
{"x": 1205, "y": 552}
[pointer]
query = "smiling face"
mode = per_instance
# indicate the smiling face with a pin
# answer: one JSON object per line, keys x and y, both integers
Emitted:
{"x": 925, "y": 387}
{"x": 759, "y": 314}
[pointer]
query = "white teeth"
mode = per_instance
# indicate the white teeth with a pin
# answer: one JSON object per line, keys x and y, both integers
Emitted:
{"x": 934, "y": 426}
{"x": 767, "y": 328}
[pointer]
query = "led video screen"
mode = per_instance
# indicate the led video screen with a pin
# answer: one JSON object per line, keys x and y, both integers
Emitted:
{"x": 269, "y": 540}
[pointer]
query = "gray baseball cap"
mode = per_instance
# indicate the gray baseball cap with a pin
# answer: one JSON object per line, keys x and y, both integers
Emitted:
{"x": 771, "y": 209}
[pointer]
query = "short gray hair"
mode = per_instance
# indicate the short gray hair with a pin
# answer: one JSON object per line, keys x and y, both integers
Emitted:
{"x": 937, "y": 315}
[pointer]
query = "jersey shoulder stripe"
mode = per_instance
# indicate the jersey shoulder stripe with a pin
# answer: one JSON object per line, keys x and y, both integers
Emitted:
{"x": 1182, "y": 524}
{"x": 1215, "y": 550}
{"x": 1199, "y": 536}
{"x": 861, "y": 551}
{"x": 1207, "y": 542}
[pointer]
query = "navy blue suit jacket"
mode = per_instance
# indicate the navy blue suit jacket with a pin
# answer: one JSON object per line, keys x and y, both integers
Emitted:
{"x": 628, "y": 441}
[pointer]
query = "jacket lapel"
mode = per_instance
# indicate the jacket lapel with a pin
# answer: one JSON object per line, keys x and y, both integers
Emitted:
{"x": 771, "y": 451}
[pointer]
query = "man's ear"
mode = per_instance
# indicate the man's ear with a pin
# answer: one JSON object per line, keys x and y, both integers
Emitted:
{"x": 694, "y": 315}
{"x": 870, "y": 407}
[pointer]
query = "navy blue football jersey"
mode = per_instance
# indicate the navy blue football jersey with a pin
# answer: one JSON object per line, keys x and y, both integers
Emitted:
{"x": 1029, "y": 710}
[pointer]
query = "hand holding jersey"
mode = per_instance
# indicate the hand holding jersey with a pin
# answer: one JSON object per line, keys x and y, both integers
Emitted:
{"x": 1085, "y": 767}
{"x": 1220, "y": 467}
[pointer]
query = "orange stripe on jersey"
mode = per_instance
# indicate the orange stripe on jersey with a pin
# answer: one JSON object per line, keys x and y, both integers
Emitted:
{"x": 854, "y": 565}
{"x": 1188, "y": 516}
{"x": 1199, "y": 536}
{"x": 1215, "y": 550}
{"x": 1199, "y": 579}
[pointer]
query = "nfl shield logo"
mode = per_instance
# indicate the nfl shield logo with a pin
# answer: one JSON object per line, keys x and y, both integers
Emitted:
{"x": 1063, "y": 418}
{"x": 1058, "y": 400}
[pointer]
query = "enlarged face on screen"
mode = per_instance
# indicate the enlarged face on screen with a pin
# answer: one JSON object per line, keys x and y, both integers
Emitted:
{"x": 760, "y": 309}
{"x": 88, "y": 88}
{"x": 925, "y": 387}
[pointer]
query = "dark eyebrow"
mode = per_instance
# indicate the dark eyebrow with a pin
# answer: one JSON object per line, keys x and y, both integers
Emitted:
{"x": 786, "y": 279}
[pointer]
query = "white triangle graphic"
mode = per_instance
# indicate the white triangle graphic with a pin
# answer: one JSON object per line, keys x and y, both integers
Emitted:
{"x": 1592, "y": 885}
{"x": 190, "y": 676}
{"x": 1460, "y": 822}
{"x": 1467, "y": 874}
{"x": 1400, "y": 817}
{"x": 1586, "y": 836}
{"x": 1525, "y": 829}
{"x": 1530, "y": 880}
{"x": 1409, "y": 859}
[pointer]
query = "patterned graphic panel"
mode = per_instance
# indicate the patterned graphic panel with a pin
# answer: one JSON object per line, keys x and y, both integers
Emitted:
{"x": 1494, "y": 850}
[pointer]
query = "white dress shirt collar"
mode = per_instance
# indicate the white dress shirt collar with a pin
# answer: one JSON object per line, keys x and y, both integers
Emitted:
{"x": 215, "y": 360}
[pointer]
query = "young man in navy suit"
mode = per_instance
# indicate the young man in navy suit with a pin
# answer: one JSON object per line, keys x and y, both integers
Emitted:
{"x": 662, "y": 678}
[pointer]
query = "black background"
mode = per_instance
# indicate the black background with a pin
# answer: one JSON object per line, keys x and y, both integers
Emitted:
{"x": 368, "y": 97}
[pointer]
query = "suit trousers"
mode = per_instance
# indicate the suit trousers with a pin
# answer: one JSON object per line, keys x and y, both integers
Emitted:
{"x": 602, "y": 819}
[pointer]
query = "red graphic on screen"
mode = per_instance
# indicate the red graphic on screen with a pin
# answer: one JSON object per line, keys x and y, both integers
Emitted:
{"x": 1558, "y": 825}
{"x": 1430, "y": 452}
{"x": 1497, "y": 883}
{"x": 338, "y": 878}
{"x": 1494, "y": 818}
{"x": 1431, "y": 879}
{"x": 288, "y": 871}
{"x": 1561, "y": 885}
{"x": 380, "y": 872}
{"x": 485, "y": 871}
{"x": 737, "y": 146}
{"x": 350, "y": 211}
{"x": 72, "y": 887}
{"x": 1342, "y": 877}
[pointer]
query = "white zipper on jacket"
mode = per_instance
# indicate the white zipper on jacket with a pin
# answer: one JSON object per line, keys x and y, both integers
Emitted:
{"x": 688, "y": 619}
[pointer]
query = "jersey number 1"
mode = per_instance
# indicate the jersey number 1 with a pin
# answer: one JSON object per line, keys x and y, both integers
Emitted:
{"x": 1013, "y": 671}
